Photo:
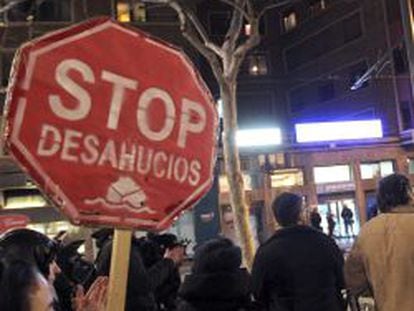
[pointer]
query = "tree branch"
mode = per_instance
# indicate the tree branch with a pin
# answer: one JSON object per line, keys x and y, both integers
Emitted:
{"x": 252, "y": 41}
{"x": 235, "y": 28}
{"x": 238, "y": 8}
{"x": 202, "y": 33}
{"x": 241, "y": 51}
{"x": 190, "y": 34}
{"x": 250, "y": 9}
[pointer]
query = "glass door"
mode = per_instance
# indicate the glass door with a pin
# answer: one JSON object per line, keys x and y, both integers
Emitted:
{"x": 346, "y": 223}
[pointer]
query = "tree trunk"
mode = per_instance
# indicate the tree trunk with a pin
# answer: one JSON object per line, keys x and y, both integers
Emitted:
{"x": 234, "y": 175}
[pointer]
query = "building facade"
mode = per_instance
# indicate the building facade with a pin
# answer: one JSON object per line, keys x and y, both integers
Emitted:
{"x": 318, "y": 61}
{"x": 332, "y": 61}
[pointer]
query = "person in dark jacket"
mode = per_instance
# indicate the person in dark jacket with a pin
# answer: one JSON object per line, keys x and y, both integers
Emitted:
{"x": 315, "y": 219}
{"x": 217, "y": 282}
{"x": 142, "y": 281}
{"x": 298, "y": 268}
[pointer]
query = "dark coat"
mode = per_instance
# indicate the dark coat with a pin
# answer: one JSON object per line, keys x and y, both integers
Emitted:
{"x": 221, "y": 291}
{"x": 298, "y": 269}
{"x": 142, "y": 282}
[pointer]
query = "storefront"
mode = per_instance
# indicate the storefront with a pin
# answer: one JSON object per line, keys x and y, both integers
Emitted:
{"x": 328, "y": 179}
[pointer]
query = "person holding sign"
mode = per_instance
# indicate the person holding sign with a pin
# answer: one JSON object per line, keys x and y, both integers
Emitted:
{"x": 143, "y": 279}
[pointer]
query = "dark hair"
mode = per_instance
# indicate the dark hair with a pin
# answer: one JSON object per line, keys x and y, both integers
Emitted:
{"x": 217, "y": 255}
{"x": 393, "y": 190}
{"x": 30, "y": 245}
{"x": 287, "y": 208}
{"x": 17, "y": 279}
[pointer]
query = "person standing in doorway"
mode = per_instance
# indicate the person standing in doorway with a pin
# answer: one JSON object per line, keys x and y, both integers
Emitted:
{"x": 348, "y": 218}
{"x": 331, "y": 224}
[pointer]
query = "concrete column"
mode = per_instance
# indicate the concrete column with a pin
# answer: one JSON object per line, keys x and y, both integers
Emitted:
{"x": 269, "y": 220}
{"x": 359, "y": 192}
{"x": 401, "y": 164}
{"x": 310, "y": 185}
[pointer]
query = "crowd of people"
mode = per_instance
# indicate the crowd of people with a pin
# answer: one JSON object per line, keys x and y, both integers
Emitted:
{"x": 299, "y": 268}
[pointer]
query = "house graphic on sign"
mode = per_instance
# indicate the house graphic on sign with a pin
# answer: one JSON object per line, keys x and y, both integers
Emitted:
{"x": 124, "y": 193}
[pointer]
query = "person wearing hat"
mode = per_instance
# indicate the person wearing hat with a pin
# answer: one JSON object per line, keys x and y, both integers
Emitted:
{"x": 217, "y": 282}
{"x": 299, "y": 268}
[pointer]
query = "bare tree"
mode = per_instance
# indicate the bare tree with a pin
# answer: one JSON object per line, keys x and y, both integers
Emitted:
{"x": 225, "y": 61}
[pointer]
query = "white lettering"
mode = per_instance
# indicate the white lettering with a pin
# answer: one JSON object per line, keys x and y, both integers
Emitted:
{"x": 91, "y": 143}
{"x": 127, "y": 160}
{"x": 49, "y": 142}
{"x": 181, "y": 177}
{"x": 159, "y": 156}
{"x": 82, "y": 95}
{"x": 120, "y": 83}
{"x": 194, "y": 177}
{"x": 69, "y": 143}
{"x": 187, "y": 120}
{"x": 144, "y": 102}
{"x": 108, "y": 154}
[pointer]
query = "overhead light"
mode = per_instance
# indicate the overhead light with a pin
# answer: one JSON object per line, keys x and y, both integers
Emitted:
{"x": 259, "y": 137}
{"x": 341, "y": 130}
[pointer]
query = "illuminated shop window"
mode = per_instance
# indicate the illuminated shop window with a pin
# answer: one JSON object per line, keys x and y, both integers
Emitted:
{"x": 224, "y": 184}
{"x": 376, "y": 169}
{"x": 287, "y": 178}
{"x": 26, "y": 201}
{"x": 331, "y": 174}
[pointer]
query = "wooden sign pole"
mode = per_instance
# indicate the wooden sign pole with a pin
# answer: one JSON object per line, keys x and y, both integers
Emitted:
{"x": 118, "y": 277}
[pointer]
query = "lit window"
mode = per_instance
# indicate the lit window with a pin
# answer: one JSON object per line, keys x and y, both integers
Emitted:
{"x": 29, "y": 201}
{"x": 140, "y": 12}
{"x": 289, "y": 21}
{"x": 225, "y": 187}
{"x": 377, "y": 169}
{"x": 247, "y": 29}
{"x": 286, "y": 178}
{"x": 257, "y": 65}
{"x": 330, "y": 174}
{"x": 123, "y": 12}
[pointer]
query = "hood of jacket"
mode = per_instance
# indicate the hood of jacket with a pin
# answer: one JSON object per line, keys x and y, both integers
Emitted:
{"x": 218, "y": 291}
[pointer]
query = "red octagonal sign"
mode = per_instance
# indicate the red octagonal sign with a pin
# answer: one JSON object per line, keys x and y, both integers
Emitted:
{"x": 116, "y": 127}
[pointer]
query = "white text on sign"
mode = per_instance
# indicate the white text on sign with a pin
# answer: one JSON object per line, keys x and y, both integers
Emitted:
{"x": 76, "y": 146}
